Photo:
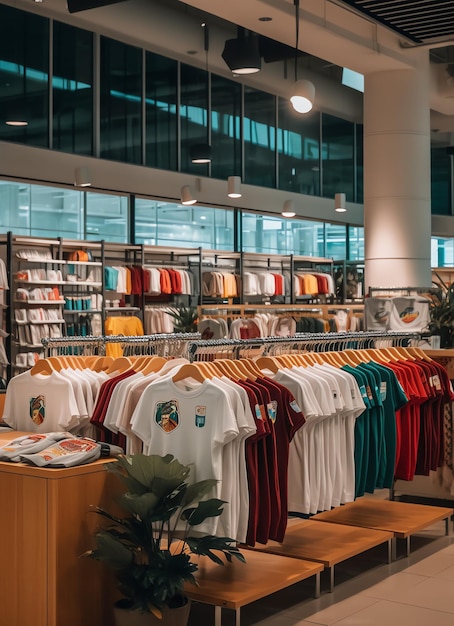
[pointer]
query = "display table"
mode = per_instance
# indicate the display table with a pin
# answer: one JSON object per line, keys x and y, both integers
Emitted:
{"x": 236, "y": 584}
{"x": 45, "y": 525}
{"x": 400, "y": 518}
{"x": 325, "y": 543}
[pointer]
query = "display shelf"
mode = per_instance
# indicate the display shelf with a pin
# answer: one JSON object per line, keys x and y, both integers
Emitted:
{"x": 80, "y": 311}
{"x": 39, "y": 302}
{"x": 79, "y": 283}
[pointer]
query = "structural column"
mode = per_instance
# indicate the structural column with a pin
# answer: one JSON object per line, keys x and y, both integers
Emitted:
{"x": 397, "y": 217}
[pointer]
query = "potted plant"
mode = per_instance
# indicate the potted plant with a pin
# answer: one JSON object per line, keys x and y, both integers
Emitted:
{"x": 150, "y": 547}
{"x": 441, "y": 308}
{"x": 185, "y": 319}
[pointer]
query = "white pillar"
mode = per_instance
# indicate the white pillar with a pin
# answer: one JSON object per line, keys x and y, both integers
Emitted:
{"x": 397, "y": 217}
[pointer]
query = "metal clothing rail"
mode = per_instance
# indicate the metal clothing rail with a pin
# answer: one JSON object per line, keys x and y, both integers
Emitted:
{"x": 317, "y": 342}
{"x": 165, "y": 344}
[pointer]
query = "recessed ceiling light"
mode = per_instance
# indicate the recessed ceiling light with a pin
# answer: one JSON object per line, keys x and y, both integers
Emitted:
{"x": 265, "y": 19}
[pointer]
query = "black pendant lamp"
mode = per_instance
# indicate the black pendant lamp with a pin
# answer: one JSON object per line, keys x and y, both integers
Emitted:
{"x": 201, "y": 152}
{"x": 242, "y": 54}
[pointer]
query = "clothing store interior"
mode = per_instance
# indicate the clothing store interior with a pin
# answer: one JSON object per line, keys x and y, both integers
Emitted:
{"x": 227, "y": 235}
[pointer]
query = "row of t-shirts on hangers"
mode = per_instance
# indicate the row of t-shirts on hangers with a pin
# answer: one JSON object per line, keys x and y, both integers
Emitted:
{"x": 338, "y": 424}
{"x": 220, "y": 284}
{"x": 158, "y": 320}
{"x": 313, "y": 284}
{"x": 268, "y": 283}
{"x": 277, "y": 325}
{"x": 137, "y": 279}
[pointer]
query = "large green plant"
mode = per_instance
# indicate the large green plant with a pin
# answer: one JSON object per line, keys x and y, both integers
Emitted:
{"x": 150, "y": 557}
{"x": 441, "y": 310}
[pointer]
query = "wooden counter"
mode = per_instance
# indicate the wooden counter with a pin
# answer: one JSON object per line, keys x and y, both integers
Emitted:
{"x": 45, "y": 526}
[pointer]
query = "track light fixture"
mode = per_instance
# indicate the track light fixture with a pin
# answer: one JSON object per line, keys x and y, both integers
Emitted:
{"x": 339, "y": 202}
{"x": 234, "y": 187}
{"x": 242, "y": 54}
{"x": 82, "y": 177}
{"x": 303, "y": 92}
{"x": 186, "y": 196}
{"x": 288, "y": 210}
{"x": 74, "y": 6}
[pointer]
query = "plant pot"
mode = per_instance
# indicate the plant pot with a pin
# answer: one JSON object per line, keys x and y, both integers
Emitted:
{"x": 170, "y": 617}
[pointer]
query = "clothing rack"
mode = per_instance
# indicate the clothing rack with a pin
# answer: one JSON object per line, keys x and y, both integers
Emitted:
{"x": 316, "y": 342}
{"x": 409, "y": 291}
{"x": 169, "y": 344}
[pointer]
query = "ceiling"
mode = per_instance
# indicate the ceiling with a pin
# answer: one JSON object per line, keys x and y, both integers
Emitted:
{"x": 420, "y": 21}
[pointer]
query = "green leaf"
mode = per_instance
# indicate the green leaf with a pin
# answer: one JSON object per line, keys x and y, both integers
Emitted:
{"x": 112, "y": 551}
{"x": 198, "y": 490}
{"x": 208, "y": 508}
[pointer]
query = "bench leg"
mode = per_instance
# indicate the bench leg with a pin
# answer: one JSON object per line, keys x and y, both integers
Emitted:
{"x": 408, "y": 545}
{"x": 331, "y": 579}
{"x": 393, "y": 549}
{"x": 217, "y": 616}
{"x": 237, "y": 617}
{"x": 390, "y": 550}
{"x": 447, "y": 526}
{"x": 317, "y": 585}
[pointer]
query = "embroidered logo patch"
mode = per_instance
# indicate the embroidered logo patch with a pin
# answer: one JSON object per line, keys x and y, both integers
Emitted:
{"x": 167, "y": 415}
{"x": 200, "y": 416}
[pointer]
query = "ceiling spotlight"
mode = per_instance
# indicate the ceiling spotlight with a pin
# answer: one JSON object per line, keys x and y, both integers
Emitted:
{"x": 200, "y": 153}
{"x": 303, "y": 92}
{"x": 186, "y": 196}
{"x": 234, "y": 187}
{"x": 242, "y": 54}
{"x": 339, "y": 203}
{"x": 82, "y": 177}
{"x": 288, "y": 209}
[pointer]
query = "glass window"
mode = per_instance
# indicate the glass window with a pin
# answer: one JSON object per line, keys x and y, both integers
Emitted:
{"x": 276, "y": 235}
{"x": 442, "y": 252}
{"x": 441, "y": 181}
{"x": 298, "y": 146}
{"x": 161, "y": 112}
{"x": 24, "y": 77}
{"x": 72, "y": 85}
{"x": 225, "y": 127}
{"x": 193, "y": 116}
{"x": 335, "y": 241}
{"x": 107, "y": 217}
{"x": 259, "y": 131}
{"x": 121, "y": 102}
{"x": 356, "y": 243}
{"x": 198, "y": 226}
{"x": 337, "y": 157}
{"x": 41, "y": 211}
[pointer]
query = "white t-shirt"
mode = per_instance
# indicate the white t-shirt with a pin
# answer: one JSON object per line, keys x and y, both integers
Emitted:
{"x": 201, "y": 423}
{"x": 41, "y": 403}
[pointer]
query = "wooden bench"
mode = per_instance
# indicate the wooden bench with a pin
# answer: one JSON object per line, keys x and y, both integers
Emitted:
{"x": 236, "y": 584}
{"x": 325, "y": 543}
{"x": 401, "y": 518}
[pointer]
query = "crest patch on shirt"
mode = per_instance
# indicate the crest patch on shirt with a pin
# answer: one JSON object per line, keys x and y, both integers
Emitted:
{"x": 167, "y": 415}
{"x": 200, "y": 416}
{"x": 38, "y": 409}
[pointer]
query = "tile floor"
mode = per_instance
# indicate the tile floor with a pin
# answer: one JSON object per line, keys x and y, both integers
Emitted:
{"x": 417, "y": 590}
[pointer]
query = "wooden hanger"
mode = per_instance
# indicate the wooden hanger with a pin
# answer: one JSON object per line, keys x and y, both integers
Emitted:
{"x": 189, "y": 370}
{"x": 43, "y": 366}
{"x": 268, "y": 363}
{"x": 57, "y": 362}
{"x": 153, "y": 364}
{"x": 120, "y": 364}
